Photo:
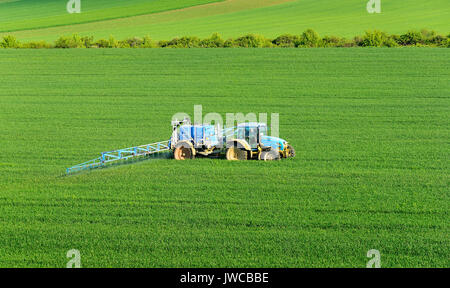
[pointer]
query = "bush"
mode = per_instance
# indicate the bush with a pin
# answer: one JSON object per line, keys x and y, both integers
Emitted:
{"x": 73, "y": 41}
{"x": 228, "y": 43}
{"x": 123, "y": 44}
{"x": 331, "y": 41}
{"x": 286, "y": 40}
{"x": 184, "y": 42}
{"x": 427, "y": 34}
{"x": 147, "y": 42}
{"x": 102, "y": 43}
{"x": 309, "y": 38}
{"x": 163, "y": 43}
{"x": 410, "y": 38}
{"x": 63, "y": 42}
{"x": 395, "y": 38}
{"x": 390, "y": 42}
{"x": 9, "y": 41}
{"x": 432, "y": 38}
{"x": 113, "y": 43}
{"x": 37, "y": 45}
{"x": 347, "y": 43}
{"x": 438, "y": 40}
{"x": 88, "y": 41}
{"x": 134, "y": 42}
{"x": 215, "y": 41}
{"x": 252, "y": 41}
{"x": 358, "y": 40}
{"x": 373, "y": 39}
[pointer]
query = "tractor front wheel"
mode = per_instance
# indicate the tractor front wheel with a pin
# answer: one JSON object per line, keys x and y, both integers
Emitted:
{"x": 234, "y": 153}
{"x": 182, "y": 153}
{"x": 269, "y": 155}
{"x": 290, "y": 151}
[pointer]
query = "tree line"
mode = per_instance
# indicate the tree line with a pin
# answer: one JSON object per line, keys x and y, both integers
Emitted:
{"x": 309, "y": 38}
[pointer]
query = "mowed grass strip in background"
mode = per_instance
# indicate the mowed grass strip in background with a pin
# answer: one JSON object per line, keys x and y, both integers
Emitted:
{"x": 31, "y": 14}
{"x": 370, "y": 127}
{"x": 271, "y": 18}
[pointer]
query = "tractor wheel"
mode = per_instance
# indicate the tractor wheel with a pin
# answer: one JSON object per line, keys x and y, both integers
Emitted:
{"x": 269, "y": 155}
{"x": 290, "y": 151}
{"x": 182, "y": 153}
{"x": 234, "y": 153}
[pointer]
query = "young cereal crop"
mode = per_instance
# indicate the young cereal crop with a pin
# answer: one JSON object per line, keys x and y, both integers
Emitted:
{"x": 230, "y": 18}
{"x": 370, "y": 127}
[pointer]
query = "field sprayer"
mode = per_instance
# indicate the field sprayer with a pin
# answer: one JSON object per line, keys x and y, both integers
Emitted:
{"x": 241, "y": 142}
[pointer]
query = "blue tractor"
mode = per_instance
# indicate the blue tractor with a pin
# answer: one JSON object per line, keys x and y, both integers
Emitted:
{"x": 242, "y": 142}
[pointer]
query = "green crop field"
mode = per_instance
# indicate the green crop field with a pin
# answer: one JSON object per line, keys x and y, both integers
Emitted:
{"x": 370, "y": 127}
{"x": 230, "y": 18}
{"x": 30, "y": 14}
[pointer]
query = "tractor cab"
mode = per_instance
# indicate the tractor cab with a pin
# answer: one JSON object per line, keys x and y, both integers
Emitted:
{"x": 252, "y": 133}
{"x": 256, "y": 135}
{"x": 251, "y": 141}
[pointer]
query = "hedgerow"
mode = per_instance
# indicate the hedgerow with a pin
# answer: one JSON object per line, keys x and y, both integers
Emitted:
{"x": 286, "y": 40}
{"x": 308, "y": 38}
{"x": 9, "y": 41}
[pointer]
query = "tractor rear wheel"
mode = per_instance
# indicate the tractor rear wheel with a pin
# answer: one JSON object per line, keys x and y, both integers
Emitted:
{"x": 182, "y": 153}
{"x": 234, "y": 153}
{"x": 290, "y": 151}
{"x": 269, "y": 155}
